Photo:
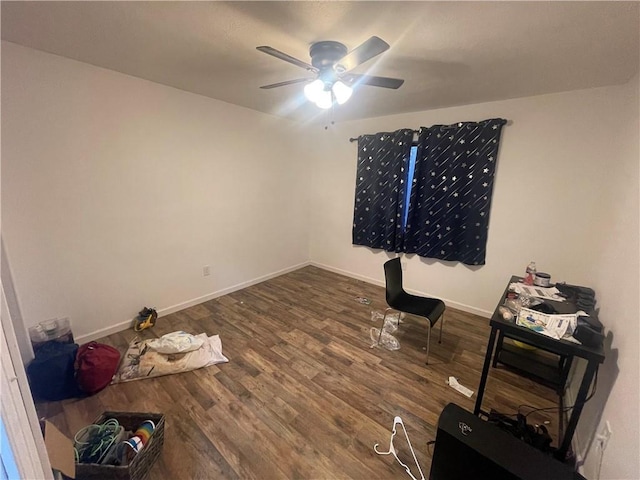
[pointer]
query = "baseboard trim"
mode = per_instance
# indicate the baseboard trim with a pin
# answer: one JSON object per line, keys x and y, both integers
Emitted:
{"x": 103, "y": 332}
{"x": 346, "y": 273}
{"x": 226, "y": 291}
{"x": 450, "y": 303}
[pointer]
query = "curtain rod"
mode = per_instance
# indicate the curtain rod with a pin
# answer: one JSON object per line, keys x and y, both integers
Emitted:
{"x": 506, "y": 122}
{"x": 356, "y": 139}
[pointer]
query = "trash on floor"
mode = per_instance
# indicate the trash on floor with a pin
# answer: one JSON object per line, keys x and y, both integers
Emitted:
{"x": 385, "y": 340}
{"x": 390, "y": 322}
{"x": 453, "y": 383}
{"x": 363, "y": 300}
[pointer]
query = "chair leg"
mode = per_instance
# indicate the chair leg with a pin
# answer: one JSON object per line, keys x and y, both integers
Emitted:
{"x": 441, "y": 324}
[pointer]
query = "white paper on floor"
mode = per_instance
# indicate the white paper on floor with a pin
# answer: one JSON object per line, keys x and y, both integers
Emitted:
{"x": 453, "y": 383}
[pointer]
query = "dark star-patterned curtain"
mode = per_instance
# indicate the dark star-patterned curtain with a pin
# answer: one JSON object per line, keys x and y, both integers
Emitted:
{"x": 451, "y": 196}
{"x": 380, "y": 189}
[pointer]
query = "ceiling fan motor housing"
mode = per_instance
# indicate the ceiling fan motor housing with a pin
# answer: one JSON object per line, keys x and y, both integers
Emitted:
{"x": 325, "y": 54}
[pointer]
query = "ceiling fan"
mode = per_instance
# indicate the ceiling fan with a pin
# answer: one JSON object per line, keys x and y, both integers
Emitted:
{"x": 331, "y": 64}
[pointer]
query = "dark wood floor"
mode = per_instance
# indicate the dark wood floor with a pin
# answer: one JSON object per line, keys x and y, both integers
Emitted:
{"x": 303, "y": 395}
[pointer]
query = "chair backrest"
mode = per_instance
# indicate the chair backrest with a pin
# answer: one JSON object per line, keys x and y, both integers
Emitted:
{"x": 393, "y": 280}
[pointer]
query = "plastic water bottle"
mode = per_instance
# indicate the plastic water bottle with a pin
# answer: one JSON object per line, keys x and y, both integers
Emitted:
{"x": 530, "y": 273}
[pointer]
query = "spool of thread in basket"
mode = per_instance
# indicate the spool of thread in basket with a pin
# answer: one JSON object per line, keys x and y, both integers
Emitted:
{"x": 135, "y": 443}
{"x": 140, "y": 437}
{"x": 144, "y": 432}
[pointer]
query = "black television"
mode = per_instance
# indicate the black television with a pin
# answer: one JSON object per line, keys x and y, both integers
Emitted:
{"x": 469, "y": 448}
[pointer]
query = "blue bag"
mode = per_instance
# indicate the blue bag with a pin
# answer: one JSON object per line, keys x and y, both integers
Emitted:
{"x": 52, "y": 373}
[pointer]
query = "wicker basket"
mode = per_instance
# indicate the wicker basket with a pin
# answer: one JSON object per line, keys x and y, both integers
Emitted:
{"x": 139, "y": 467}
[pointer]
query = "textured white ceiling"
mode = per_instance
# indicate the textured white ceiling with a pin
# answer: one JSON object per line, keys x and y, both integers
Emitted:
{"x": 450, "y": 53}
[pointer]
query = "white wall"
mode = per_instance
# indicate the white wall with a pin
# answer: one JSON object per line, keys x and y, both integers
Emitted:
{"x": 117, "y": 191}
{"x": 616, "y": 280}
{"x": 565, "y": 195}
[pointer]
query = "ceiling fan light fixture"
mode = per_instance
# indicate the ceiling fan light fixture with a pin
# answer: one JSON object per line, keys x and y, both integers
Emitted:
{"x": 342, "y": 91}
{"x": 324, "y": 99}
{"x": 331, "y": 61}
{"x": 313, "y": 91}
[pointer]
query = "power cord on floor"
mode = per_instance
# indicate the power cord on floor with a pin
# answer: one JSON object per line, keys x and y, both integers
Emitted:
{"x": 565, "y": 409}
{"x": 536, "y": 435}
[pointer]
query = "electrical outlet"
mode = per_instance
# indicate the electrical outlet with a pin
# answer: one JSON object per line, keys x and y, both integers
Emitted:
{"x": 205, "y": 271}
{"x": 605, "y": 435}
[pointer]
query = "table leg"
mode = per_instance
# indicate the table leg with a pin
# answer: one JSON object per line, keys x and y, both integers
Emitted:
{"x": 565, "y": 367}
{"x": 577, "y": 410}
{"x": 498, "y": 348}
{"x": 485, "y": 371}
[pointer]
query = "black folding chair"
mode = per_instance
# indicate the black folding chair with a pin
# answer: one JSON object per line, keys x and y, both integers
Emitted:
{"x": 430, "y": 308}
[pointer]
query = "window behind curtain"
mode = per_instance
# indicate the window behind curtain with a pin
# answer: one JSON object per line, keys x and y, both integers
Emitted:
{"x": 409, "y": 181}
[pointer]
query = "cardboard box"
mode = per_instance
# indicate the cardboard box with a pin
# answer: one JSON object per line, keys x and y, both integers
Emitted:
{"x": 59, "y": 449}
{"x": 62, "y": 457}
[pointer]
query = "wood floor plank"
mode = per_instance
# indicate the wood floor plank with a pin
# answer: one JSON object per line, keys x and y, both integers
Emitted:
{"x": 304, "y": 395}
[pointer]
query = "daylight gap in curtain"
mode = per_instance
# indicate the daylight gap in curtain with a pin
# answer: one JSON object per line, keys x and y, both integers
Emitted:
{"x": 449, "y": 205}
{"x": 380, "y": 189}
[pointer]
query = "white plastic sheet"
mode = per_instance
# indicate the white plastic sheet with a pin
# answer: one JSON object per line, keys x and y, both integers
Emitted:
{"x": 176, "y": 342}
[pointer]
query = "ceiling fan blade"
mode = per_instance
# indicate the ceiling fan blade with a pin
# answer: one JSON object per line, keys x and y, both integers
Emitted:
{"x": 288, "y": 82}
{"x": 384, "y": 82}
{"x": 366, "y": 51}
{"x": 287, "y": 58}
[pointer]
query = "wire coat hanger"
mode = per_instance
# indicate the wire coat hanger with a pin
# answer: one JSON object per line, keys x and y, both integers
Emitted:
{"x": 392, "y": 450}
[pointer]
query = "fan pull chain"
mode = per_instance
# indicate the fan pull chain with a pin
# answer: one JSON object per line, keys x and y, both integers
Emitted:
{"x": 330, "y": 112}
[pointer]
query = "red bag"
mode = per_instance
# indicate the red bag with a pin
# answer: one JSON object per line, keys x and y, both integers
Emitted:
{"x": 96, "y": 364}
